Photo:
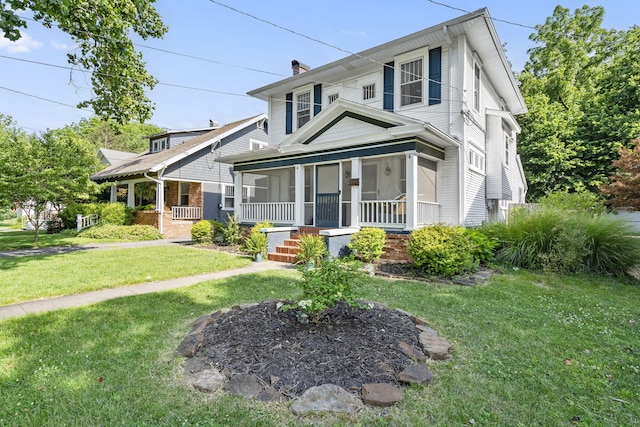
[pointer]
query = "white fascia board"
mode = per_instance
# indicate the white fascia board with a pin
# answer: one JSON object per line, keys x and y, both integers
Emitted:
{"x": 506, "y": 116}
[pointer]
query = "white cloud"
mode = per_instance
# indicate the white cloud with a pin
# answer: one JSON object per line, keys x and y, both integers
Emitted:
{"x": 61, "y": 46}
{"x": 23, "y": 45}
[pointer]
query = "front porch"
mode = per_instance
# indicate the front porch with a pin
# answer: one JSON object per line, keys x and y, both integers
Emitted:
{"x": 393, "y": 192}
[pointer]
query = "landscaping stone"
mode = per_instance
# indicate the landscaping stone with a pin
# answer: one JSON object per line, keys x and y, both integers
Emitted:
{"x": 196, "y": 364}
{"x": 190, "y": 345}
{"x": 381, "y": 394}
{"x": 412, "y": 352}
{"x": 326, "y": 398}
{"x": 206, "y": 381}
{"x": 416, "y": 374}
{"x": 246, "y": 386}
{"x": 434, "y": 346}
{"x": 271, "y": 395}
{"x": 425, "y": 328}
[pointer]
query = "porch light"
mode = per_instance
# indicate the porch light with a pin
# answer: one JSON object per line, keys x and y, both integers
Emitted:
{"x": 387, "y": 169}
{"x": 347, "y": 174}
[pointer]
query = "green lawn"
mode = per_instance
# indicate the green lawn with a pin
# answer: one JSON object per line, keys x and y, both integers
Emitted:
{"x": 43, "y": 276}
{"x": 528, "y": 350}
{"x": 11, "y": 240}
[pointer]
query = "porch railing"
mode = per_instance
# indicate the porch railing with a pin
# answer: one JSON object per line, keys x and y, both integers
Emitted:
{"x": 83, "y": 222}
{"x": 389, "y": 213}
{"x": 275, "y": 212}
{"x": 185, "y": 212}
{"x": 428, "y": 213}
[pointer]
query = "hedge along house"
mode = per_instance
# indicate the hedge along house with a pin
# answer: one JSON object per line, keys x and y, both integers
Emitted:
{"x": 181, "y": 178}
{"x": 417, "y": 131}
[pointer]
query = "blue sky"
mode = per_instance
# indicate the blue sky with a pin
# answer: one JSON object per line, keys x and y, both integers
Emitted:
{"x": 231, "y": 43}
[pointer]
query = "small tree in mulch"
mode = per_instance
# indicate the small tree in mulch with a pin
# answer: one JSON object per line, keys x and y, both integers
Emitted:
{"x": 326, "y": 284}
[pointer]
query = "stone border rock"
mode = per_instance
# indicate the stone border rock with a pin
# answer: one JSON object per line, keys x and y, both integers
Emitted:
{"x": 323, "y": 398}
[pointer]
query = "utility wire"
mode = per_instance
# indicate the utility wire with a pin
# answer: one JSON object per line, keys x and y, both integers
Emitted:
{"x": 45, "y": 99}
{"x": 493, "y": 19}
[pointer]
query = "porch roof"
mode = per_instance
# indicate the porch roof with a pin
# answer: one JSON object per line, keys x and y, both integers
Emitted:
{"x": 153, "y": 162}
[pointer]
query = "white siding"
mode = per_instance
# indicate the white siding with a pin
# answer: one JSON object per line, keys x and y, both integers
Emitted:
{"x": 448, "y": 187}
{"x": 346, "y": 128}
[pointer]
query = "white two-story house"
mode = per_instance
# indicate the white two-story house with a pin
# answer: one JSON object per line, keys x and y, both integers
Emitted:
{"x": 419, "y": 130}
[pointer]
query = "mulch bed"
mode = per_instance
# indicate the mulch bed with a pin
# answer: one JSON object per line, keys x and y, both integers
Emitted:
{"x": 346, "y": 346}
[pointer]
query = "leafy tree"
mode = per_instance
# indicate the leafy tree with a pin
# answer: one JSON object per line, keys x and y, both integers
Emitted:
{"x": 131, "y": 136}
{"x": 43, "y": 171}
{"x": 624, "y": 185}
{"x": 102, "y": 30}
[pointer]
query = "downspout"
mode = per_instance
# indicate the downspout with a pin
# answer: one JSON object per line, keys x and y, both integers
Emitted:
{"x": 159, "y": 197}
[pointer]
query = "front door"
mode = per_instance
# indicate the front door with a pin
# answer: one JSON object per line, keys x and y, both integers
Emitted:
{"x": 328, "y": 196}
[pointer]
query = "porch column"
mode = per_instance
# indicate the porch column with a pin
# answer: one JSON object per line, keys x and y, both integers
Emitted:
{"x": 356, "y": 173}
{"x": 131, "y": 195}
{"x": 298, "y": 214}
{"x": 113, "y": 195}
{"x": 160, "y": 204}
{"x": 237, "y": 194}
{"x": 412, "y": 190}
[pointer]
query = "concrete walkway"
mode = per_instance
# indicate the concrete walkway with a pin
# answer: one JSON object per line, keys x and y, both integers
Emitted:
{"x": 48, "y": 304}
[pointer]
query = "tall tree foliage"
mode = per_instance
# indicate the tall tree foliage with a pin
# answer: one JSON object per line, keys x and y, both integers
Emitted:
{"x": 39, "y": 172}
{"x": 102, "y": 30}
{"x": 624, "y": 188}
{"x": 131, "y": 137}
{"x": 572, "y": 83}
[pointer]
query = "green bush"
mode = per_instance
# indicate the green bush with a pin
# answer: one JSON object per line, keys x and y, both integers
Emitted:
{"x": 202, "y": 231}
{"x": 260, "y": 225}
{"x": 109, "y": 213}
{"x": 231, "y": 235}
{"x": 116, "y": 214}
{"x": 367, "y": 244}
{"x": 312, "y": 249}
{"x": 482, "y": 246}
{"x": 580, "y": 202}
{"x": 122, "y": 232}
{"x": 563, "y": 240}
{"x": 442, "y": 250}
{"x": 331, "y": 281}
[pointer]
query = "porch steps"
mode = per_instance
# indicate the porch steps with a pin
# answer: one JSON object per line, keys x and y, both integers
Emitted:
{"x": 288, "y": 251}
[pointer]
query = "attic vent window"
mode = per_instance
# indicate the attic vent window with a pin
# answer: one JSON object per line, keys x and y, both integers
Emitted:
{"x": 368, "y": 91}
{"x": 411, "y": 82}
{"x": 332, "y": 97}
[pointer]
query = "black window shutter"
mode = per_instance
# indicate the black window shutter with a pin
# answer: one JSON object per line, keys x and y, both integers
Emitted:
{"x": 289, "y": 113}
{"x": 317, "y": 99}
{"x": 435, "y": 76}
{"x": 387, "y": 100}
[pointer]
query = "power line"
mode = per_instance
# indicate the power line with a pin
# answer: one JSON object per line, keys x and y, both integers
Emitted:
{"x": 45, "y": 99}
{"x": 493, "y": 19}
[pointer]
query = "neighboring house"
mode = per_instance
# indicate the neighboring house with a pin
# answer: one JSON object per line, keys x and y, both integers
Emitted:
{"x": 180, "y": 180}
{"x": 110, "y": 157}
{"x": 419, "y": 130}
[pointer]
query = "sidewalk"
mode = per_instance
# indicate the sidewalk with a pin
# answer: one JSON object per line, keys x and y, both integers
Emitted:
{"x": 49, "y": 304}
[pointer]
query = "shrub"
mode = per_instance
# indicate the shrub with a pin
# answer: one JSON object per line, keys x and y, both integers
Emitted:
{"x": 116, "y": 214}
{"x": 566, "y": 241}
{"x": 259, "y": 225}
{"x": 442, "y": 250}
{"x": 122, "y": 232}
{"x": 367, "y": 244}
{"x": 231, "y": 235}
{"x": 202, "y": 231}
{"x": 256, "y": 243}
{"x": 482, "y": 246}
{"x": 312, "y": 249}
{"x": 330, "y": 282}
{"x": 581, "y": 202}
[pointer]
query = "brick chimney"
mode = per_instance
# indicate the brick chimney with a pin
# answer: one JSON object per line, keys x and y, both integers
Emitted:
{"x": 298, "y": 67}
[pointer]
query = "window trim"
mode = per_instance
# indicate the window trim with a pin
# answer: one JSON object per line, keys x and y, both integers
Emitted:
{"x": 477, "y": 160}
{"x": 159, "y": 144}
{"x": 422, "y": 53}
{"x": 477, "y": 83}
{"x": 412, "y": 82}
{"x": 294, "y": 113}
{"x": 261, "y": 144}
{"x": 309, "y": 110}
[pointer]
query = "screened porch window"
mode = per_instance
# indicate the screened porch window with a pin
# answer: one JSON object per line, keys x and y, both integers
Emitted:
{"x": 427, "y": 172}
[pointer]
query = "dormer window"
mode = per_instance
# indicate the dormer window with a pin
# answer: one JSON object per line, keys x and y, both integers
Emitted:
{"x": 303, "y": 108}
{"x": 159, "y": 145}
{"x": 411, "y": 82}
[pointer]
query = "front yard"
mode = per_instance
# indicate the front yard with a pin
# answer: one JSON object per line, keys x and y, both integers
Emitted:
{"x": 528, "y": 349}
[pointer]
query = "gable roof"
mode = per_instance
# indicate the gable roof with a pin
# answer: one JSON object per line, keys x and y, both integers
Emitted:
{"x": 384, "y": 126}
{"x": 153, "y": 162}
{"x": 481, "y": 37}
{"x": 113, "y": 156}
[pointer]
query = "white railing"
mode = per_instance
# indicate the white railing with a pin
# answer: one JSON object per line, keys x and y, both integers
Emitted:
{"x": 185, "y": 212}
{"x": 275, "y": 212}
{"x": 83, "y": 222}
{"x": 388, "y": 213}
{"x": 428, "y": 213}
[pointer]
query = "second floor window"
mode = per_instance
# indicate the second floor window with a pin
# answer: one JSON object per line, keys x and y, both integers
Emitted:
{"x": 507, "y": 139}
{"x": 303, "y": 108}
{"x": 368, "y": 91}
{"x": 411, "y": 82}
{"x": 476, "y": 87}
